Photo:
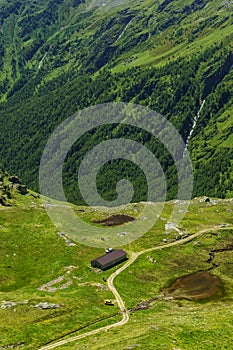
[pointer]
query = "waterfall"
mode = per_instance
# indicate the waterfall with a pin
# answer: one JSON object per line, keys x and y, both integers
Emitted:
{"x": 193, "y": 127}
{"x": 41, "y": 62}
{"x": 123, "y": 32}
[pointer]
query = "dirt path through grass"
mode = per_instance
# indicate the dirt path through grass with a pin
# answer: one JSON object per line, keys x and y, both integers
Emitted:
{"x": 124, "y": 311}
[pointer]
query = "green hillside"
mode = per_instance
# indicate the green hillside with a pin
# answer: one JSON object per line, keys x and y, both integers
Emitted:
{"x": 61, "y": 56}
{"x": 58, "y": 57}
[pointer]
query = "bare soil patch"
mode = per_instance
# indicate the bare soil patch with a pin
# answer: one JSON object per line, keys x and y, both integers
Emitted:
{"x": 115, "y": 220}
{"x": 197, "y": 286}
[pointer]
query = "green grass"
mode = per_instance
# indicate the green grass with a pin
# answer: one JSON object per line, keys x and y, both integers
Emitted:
{"x": 164, "y": 47}
{"x": 169, "y": 325}
{"x": 173, "y": 324}
{"x": 33, "y": 254}
{"x": 145, "y": 279}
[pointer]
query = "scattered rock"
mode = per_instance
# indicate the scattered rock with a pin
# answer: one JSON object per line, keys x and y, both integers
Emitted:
{"x": 133, "y": 346}
{"x": 5, "y": 305}
{"x": 168, "y": 298}
{"x": 12, "y": 346}
{"x": 66, "y": 285}
{"x": 151, "y": 259}
{"x": 50, "y": 286}
{"x": 171, "y": 226}
{"x": 68, "y": 241}
{"x": 121, "y": 234}
{"x": 144, "y": 305}
{"x": 22, "y": 189}
{"x": 70, "y": 244}
{"x": 61, "y": 234}
{"x": 3, "y": 201}
{"x": 69, "y": 268}
{"x": 154, "y": 327}
{"x": 100, "y": 286}
{"x": 14, "y": 179}
{"x": 211, "y": 258}
{"x": 35, "y": 195}
{"x": 46, "y": 306}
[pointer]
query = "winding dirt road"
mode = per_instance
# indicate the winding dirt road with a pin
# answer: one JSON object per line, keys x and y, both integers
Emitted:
{"x": 124, "y": 311}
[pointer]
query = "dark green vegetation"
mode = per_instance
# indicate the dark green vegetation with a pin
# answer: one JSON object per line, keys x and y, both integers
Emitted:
{"x": 33, "y": 254}
{"x": 60, "y": 56}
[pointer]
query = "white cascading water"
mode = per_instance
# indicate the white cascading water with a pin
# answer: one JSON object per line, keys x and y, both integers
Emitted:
{"x": 41, "y": 62}
{"x": 193, "y": 127}
{"x": 123, "y": 32}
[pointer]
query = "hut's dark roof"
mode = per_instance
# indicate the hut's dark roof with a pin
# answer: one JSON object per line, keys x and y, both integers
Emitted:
{"x": 109, "y": 257}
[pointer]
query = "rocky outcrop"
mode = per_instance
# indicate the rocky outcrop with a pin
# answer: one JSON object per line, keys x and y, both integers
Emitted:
{"x": 22, "y": 189}
{"x": 47, "y": 306}
{"x": 12, "y": 346}
{"x": 9, "y": 187}
{"x": 14, "y": 179}
{"x": 4, "y": 201}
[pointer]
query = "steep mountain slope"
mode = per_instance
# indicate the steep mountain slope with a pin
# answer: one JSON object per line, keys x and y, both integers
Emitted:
{"x": 60, "y": 56}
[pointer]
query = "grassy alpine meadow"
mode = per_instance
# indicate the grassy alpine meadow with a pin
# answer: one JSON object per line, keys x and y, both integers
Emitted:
{"x": 173, "y": 324}
{"x": 37, "y": 266}
{"x": 33, "y": 254}
{"x": 154, "y": 271}
{"x": 169, "y": 325}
